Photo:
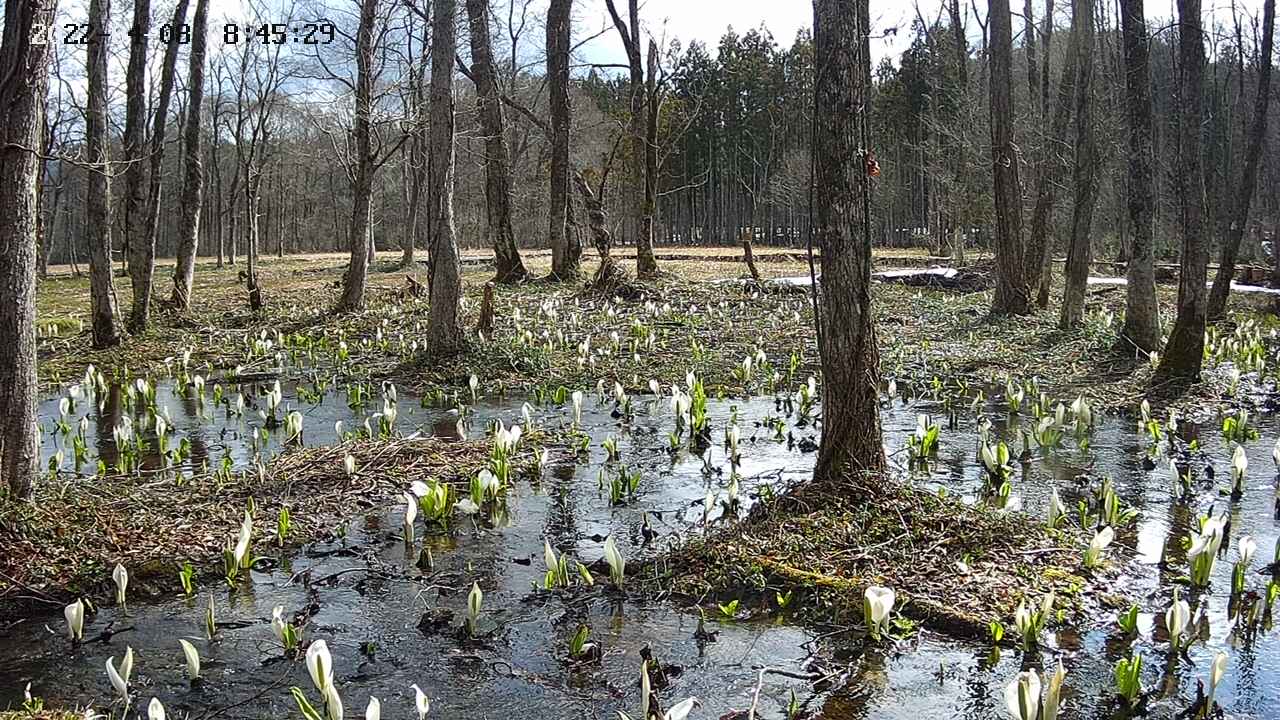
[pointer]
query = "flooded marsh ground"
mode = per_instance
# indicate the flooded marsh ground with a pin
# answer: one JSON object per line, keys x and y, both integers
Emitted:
{"x": 646, "y": 474}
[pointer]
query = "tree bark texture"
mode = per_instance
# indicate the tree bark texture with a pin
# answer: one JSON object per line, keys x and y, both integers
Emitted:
{"x": 1085, "y": 177}
{"x": 566, "y": 251}
{"x": 1184, "y": 352}
{"x": 25, "y": 65}
{"x": 851, "y": 437}
{"x": 192, "y": 193}
{"x": 444, "y": 328}
{"x": 360, "y": 234}
{"x": 497, "y": 167}
{"x": 103, "y": 311}
{"x": 1013, "y": 287}
{"x": 142, "y": 258}
{"x": 135, "y": 171}
{"x": 1141, "y": 329}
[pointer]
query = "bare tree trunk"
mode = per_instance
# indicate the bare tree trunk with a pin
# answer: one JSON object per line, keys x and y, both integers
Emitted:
{"x": 1013, "y": 289}
{"x": 142, "y": 254}
{"x": 851, "y": 438}
{"x": 646, "y": 264}
{"x": 1142, "y": 311}
{"x": 566, "y": 251}
{"x": 1056, "y": 152}
{"x": 637, "y": 129}
{"x": 25, "y": 67}
{"x": 1184, "y": 352}
{"x": 1249, "y": 174}
{"x": 361, "y": 232}
{"x": 98, "y": 194}
{"x": 189, "y": 204}
{"x": 416, "y": 160}
{"x": 1086, "y": 171}
{"x": 497, "y": 186}
{"x": 134, "y": 151}
{"x": 444, "y": 328}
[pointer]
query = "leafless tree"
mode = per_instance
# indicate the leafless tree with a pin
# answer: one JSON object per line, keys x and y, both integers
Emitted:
{"x": 1013, "y": 291}
{"x": 190, "y": 199}
{"x": 851, "y": 440}
{"x": 444, "y": 328}
{"x": 1141, "y": 329}
{"x": 106, "y": 332}
{"x": 1184, "y": 351}
{"x": 24, "y": 75}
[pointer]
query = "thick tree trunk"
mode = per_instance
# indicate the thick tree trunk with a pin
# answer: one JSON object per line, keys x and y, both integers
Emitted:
{"x": 134, "y": 151}
{"x": 26, "y": 67}
{"x": 566, "y": 251}
{"x": 189, "y": 204}
{"x": 1249, "y": 173}
{"x": 497, "y": 166}
{"x": 98, "y": 193}
{"x": 444, "y": 328}
{"x": 1086, "y": 171}
{"x": 851, "y": 438}
{"x": 1142, "y": 312}
{"x": 360, "y": 234}
{"x": 1013, "y": 289}
{"x": 1184, "y": 352}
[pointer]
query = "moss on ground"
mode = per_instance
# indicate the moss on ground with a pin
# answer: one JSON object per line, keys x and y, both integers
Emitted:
{"x": 955, "y": 567}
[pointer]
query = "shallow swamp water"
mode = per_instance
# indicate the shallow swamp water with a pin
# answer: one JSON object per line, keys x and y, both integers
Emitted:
{"x": 367, "y": 597}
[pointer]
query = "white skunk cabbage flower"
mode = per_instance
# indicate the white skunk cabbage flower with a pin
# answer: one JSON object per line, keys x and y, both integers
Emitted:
{"x": 549, "y": 555}
{"x": 155, "y": 710}
{"x": 1056, "y": 509}
{"x": 320, "y": 665}
{"x": 332, "y": 702}
{"x": 475, "y": 599}
{"x": 193, "y": 659}
{"x": 117, "y": 680}
{"x": 293, "y": 425}
{"x": 1216, "y": 671}
{"x": 75, "y": 619}
{"x": 374, "y": 710}
{"x": 656, "y": 389}
{"x": 279, "y": 625}
{"x": 466, "y": 506}
{"x": 410, "y": 515}
{"x": 473, "y": 382}
{"x": 121, "y": 578}
{"x": 1022, "y": 696}
{"x": 1052, "y": 695}
{"x": 680, "y": 710}
{"x": 1100, "y": 541}
{"x": 1247, "y": 547}
{"x": 1239, "y": 464}
{"x": 241, "y": 551}
{"x": 126, "y": 665}
{"x": 421, "y": 702}
{"x": 1082, "y": 412}
{"x": 1176, "y": 619}
{"x": 617, "y": 563}
{"x": 877, "y": 605}
{"x": 349, "y": 465}
{"x": 577, "y": 407}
